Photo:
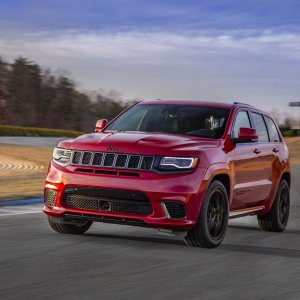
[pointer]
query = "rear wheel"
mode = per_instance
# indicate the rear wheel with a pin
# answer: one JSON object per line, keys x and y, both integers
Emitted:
{"x": 79, "y": 228}
{"x": 277, "y": 218}
{"x": 213, "y": 219}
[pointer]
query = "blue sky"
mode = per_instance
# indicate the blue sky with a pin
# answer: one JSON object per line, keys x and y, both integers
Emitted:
{"x": 246, "y": 50}
{"x": 167, "y": 15}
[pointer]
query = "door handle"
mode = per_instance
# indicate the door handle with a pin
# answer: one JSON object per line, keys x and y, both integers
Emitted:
{"x": 275, "y": 150}
{"x": 256, "y": 151}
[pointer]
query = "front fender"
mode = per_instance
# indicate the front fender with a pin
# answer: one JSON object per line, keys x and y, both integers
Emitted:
{"x": 218, "y": 169}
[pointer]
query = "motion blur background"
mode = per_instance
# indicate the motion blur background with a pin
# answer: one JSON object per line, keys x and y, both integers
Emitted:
{"x": 65, "y": 64}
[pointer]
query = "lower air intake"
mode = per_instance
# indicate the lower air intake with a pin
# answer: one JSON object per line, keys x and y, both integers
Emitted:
{"x": 50, "y": 197}
{"x": 104, "y": 200}
{"x": 175, "y": 210}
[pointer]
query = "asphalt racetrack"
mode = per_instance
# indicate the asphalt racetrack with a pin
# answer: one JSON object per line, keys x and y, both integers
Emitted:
{"x": 122, "y": 262}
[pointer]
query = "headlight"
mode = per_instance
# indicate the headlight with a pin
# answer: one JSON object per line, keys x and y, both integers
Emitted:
{"x": 182, "y": 163}
{"x": 62, "y": 156}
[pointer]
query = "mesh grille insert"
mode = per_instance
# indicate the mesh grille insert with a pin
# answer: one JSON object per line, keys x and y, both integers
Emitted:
{"x": 147, "y": 163}
{"x": 121, "y": 160}
{"x": 109, "y": 160}
{"x": 50, "y": 197}
{"x": 133, "y": 161}
{"x": 76, "y": 157}
{"x": 176, "y": 210}
{"x": 97, "y": 159}
{"x": 86, "y": 159}
{"x": 118, "y": 201}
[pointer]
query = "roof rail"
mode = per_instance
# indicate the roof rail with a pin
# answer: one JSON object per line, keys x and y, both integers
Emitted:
{"x": 243, "y": 104}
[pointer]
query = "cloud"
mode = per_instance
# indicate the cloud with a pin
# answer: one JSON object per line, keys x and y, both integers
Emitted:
{"x": 250, "y": 66}
{"x": 144, "y": 46}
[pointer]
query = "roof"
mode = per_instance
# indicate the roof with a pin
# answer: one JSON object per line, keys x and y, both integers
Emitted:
{"x": 214, "y": 104}
{"x": 190, "y": 102}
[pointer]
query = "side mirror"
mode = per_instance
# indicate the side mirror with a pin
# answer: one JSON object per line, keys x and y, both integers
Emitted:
{"x": 100, "y": 124}
{"x": 247, "y": 135}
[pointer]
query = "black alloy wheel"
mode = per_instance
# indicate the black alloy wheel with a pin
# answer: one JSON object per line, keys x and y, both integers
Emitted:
{"x": 277, "y": 218}
{"x": 211, "y": 226}
{"x": 216, "y": 214}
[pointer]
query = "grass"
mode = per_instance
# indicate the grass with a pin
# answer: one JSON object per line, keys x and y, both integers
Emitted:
{"x": 18, "y": 184}
{"x": 9, "y": 130}
{"x": 294, "y": 147}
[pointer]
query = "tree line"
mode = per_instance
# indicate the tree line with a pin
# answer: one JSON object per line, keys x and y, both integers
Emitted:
{"x": 35, "y": 97}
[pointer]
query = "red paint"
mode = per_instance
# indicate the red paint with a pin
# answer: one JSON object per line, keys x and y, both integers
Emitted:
{"x": 248, "y": 134}
{"x": 253, "y": 169}
{"x": 100, "y": 125}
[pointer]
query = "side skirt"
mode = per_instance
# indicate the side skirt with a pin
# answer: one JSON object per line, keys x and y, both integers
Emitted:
{"x": 245, "y": 212}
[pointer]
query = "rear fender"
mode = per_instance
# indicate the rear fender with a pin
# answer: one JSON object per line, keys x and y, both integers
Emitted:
{"x": 270, "y": 201}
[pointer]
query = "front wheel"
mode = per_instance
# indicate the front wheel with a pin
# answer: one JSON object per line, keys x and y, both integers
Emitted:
{"x": 79, "y": 228}
{"x": 213, "y": 219}
{"x": 277, "y": 218}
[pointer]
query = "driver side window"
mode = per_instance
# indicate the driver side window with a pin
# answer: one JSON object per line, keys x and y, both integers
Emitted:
{"x": 242, "y": 120}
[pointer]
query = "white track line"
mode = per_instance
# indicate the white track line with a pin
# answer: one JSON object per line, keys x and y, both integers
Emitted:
{"x": 20, "y": 210}
{"x": 17, "y": 165}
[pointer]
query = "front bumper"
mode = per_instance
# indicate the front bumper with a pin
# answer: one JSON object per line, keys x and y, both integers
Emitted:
{"x": 187, "y": 188}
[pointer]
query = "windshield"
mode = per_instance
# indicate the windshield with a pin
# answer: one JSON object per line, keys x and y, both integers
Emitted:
{"x": 177, "y": 119}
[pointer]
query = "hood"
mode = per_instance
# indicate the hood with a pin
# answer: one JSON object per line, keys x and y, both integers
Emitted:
{"x": 140, "y": 143}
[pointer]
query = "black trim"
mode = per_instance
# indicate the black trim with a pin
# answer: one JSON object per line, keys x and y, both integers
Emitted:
{"x": 236, "y": 140}
{"x": 262, "y": 115}
{"x": 105, "y": 219}
{"x": 278, "y": 131}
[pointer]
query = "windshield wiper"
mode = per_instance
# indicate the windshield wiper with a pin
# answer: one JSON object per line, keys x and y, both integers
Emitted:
{"x": 116, "y": 130}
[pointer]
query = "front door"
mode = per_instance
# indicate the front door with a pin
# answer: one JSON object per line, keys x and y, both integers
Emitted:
{"x": 252, "y": 164}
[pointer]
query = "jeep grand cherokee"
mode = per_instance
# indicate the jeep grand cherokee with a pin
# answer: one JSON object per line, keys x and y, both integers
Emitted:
{"x": 181, "y": 166}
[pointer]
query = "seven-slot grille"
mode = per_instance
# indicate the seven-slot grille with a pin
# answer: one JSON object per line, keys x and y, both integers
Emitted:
{"x": 105, "y": 200}
{"x": 112, "y": 160}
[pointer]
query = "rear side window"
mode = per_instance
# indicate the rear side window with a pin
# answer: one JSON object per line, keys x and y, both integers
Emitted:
{"x": 241, "y": 121}
{"x": 260, "y": 126}
{"x": 273, "y": 132}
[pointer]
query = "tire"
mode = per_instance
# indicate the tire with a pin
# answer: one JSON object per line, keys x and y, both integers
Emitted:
{"x": 277, "y": 218}
{"x": 211, "y": 226}
{"x": 70, "y": 228}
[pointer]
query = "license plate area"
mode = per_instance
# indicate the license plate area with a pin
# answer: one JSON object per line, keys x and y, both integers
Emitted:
{"x": 104, "y": 205}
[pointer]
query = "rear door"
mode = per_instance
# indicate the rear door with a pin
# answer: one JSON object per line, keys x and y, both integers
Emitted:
{"x": 278, "y": 150}
{"x": 252, "y": 163}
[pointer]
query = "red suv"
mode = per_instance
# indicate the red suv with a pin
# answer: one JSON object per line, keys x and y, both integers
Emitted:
{"x": 183, "y": 167}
